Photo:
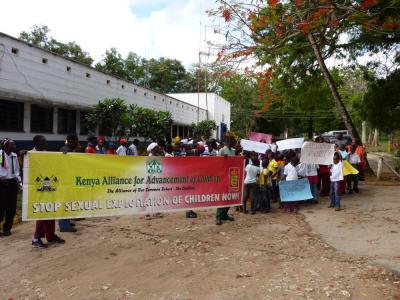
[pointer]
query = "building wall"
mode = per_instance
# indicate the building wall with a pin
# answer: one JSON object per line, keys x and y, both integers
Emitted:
{"x": 218, "y": 108}
{"x": 33, "y": 75}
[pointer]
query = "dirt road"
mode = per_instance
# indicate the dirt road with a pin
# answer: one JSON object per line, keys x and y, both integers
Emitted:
{"x": 272, "y": 256}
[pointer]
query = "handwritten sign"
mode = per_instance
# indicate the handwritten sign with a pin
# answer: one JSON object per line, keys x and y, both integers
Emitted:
{"x": 290, "y": 144}
{"x": 317, "y": 153}
{"x": 295, "y": 190}
{"x": 254, "y": 146}
{"x": 258, "y": 136}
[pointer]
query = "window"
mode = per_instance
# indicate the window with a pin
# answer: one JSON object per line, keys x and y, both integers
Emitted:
{"x": 14, "y": 50}
{"x": 68, "y": 68}
{"x": 41, "y": 119}
{"x": 44, "y": 60}
{"x": 190, "y": 131}
{"x": 66, "y": 121}
{"x": 122, "y": 86}
{"x": 155, "y": 97}
{"x": 84, "y": 127}
{"x": 108, "y": 81}
{"x": 11, "y": 115}
{"x": 134, "y": 90}
{"x": 88, "y": 75}
{"x": 145, "y": 93}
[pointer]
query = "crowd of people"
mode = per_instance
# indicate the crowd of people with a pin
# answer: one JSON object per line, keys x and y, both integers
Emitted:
{"x": 263, "y": 172}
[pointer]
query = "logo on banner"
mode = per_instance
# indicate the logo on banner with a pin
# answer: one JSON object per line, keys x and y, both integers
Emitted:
{"x": 46, "y": 184}
{"x": 234, "y": 179}
{"x": 154, "y": 166}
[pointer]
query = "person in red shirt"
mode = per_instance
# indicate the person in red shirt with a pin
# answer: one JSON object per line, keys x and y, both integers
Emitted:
{"x": 91, "y": 146}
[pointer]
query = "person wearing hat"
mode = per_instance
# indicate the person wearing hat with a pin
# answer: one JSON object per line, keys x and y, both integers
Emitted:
{"x": 91, "y": 146}
{"x": 101, "y": 145}
{"x": 10, "y": 183}
{"x": 123, "y": 148}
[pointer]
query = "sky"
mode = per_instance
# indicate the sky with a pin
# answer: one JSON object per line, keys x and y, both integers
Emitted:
{"x": 150, "y": 28}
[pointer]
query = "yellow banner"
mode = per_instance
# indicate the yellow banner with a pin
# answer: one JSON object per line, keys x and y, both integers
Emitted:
{"x": 348, "y": 169}
{"x": 76, "y": 185}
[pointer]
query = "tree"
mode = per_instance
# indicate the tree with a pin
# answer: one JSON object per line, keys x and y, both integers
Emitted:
{"x": 113, "y": 64}
{"x": 166, "y": 75}
{"x": 382, "y": 103}
{"x": 241, "y": 92}
{"x": 109, "y": 115}
{"x": 39, "y": 36}
{"x": 292, "y": 36}
{"x": 204, "y": 128}
{"x": 148, "y": 123}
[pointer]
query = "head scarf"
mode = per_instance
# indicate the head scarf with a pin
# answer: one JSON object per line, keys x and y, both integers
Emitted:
{"x": 151, "y": 147}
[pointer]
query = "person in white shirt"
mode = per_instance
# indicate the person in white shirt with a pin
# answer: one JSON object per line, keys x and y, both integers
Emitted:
{"x": 122, "y": 149}
{"x": 250, "y": 184}
{"x": 133, "y": 148}
{"x": 336, "y": 178}
{"x": 290, "y": 173}
{"x": 10, "y": 183}
{"x": 354, "y": 160}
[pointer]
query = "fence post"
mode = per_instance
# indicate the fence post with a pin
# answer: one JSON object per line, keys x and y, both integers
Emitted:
{"x": 379, "y": 170}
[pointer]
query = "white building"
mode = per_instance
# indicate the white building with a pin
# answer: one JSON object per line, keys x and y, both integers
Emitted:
{"x": 218, "y": 109}
{"x": 42, "y": 92}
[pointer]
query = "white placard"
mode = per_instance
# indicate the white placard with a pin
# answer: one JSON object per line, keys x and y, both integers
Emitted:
{"x": 258, "y": 147}
{"x": 317, "y": 153}
{"x": 290, "y": 144}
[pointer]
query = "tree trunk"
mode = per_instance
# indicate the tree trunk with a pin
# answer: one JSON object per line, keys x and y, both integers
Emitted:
{"x": 364, "y": 133}
{"x": 336, "y": 97}
{"x": 375, "y": 141}
{"x": 370, "y": 137}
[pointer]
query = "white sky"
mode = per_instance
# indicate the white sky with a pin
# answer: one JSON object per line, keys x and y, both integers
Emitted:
{"x": 151, "y": 28}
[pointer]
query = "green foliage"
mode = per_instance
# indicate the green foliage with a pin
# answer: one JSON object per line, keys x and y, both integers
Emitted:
{"x": 382, "y": 103}
{"x": 204, "y": 128}
{"x": 241, "y": 92}
{"x": 149, "y": 123}
{"x": 39, "y": 36}
{"x": 166, "y": 75}
{"x": 109, "y": 115}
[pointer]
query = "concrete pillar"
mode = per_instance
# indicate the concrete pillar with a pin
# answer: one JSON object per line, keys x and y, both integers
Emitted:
{"x": 27, "y": 117}
{"x": 380, "y": 166}
{"x": 55, "y": 120}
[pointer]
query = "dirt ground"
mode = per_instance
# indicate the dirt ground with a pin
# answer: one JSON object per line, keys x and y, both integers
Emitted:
{"x": 265, "y": 256}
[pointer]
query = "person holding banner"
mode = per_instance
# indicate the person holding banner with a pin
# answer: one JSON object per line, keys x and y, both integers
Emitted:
{"x": 227, "y": 150}
{"x": 10, "y": 183}
{"x": 91, "y": 146}
{"x": 273, "y": 173}
{"x": 290, "y": 173}
{"x": 336, "y": 178}
{"x": 71, "y": 145}
{"x": 250, "y": 185}
{"x": 44, "y": 227}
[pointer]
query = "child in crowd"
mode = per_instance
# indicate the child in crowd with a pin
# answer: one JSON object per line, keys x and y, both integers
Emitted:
{"x": 312, "y": 176}
{"x": 250, "y": 184}
{"x": 354, "y": 160}
{"x": 273, "y": 173}
{"x": 290, "y": 173}
{"x": 342, "y": 150}
{"x": 265, "y": 186}
{"x": 336, "y": 177}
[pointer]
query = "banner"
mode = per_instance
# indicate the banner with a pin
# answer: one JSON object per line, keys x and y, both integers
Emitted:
{"x": 254, "y": 146}
{"x": 348, "y": 169}
{"x": 295, "y": 190}
{"x": 258, "y": 137}
{"x": 77, "y": 185}
{"x": 317, "y": 153}
{"x": 290, "y": 144}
